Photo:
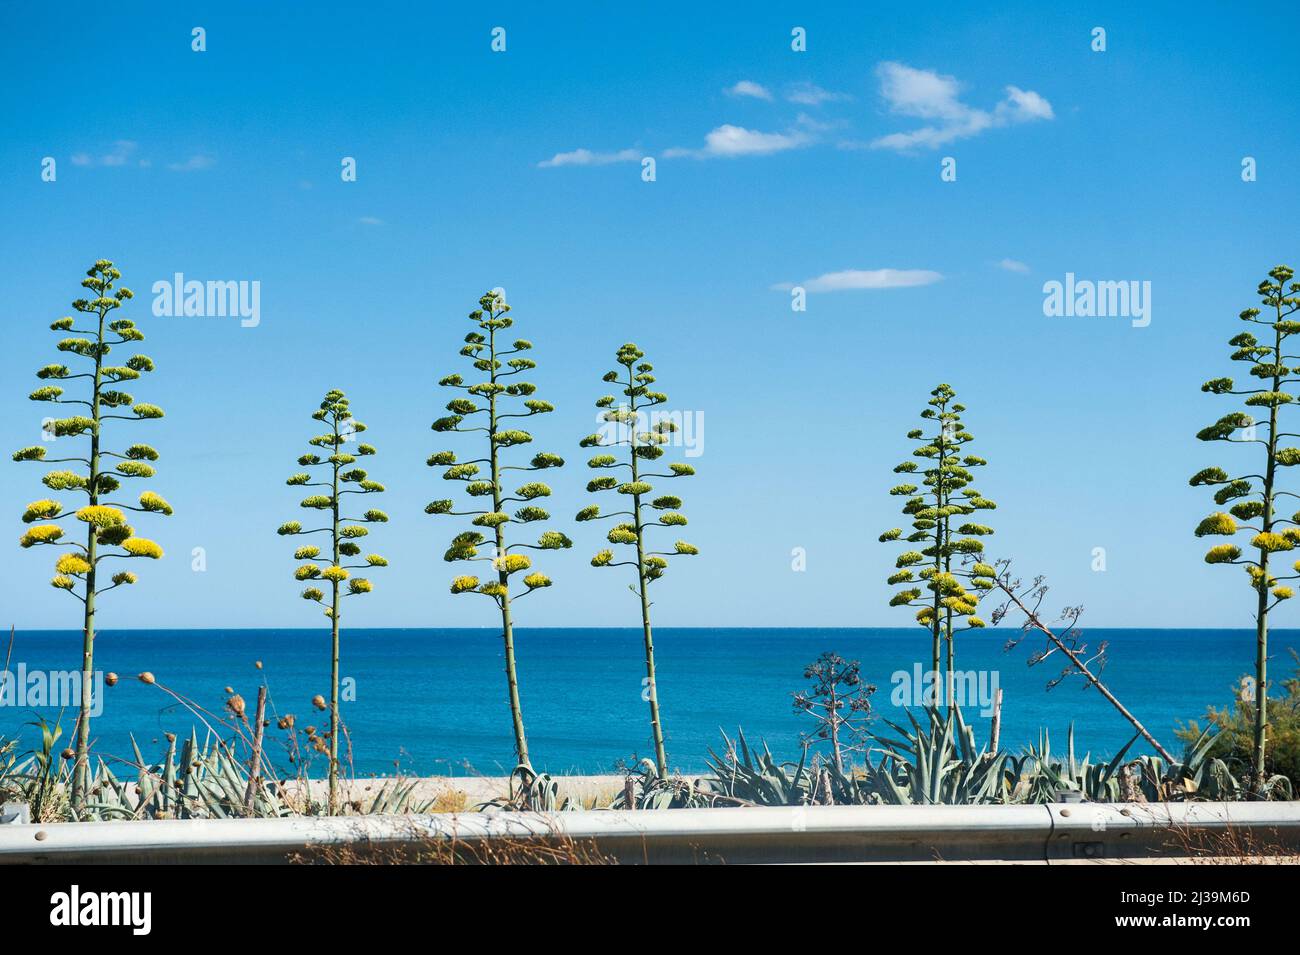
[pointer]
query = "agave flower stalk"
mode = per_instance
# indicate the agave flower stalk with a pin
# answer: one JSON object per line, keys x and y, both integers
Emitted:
{"x": 94, "y": 474}
{"x": 937, "y": 513}
{"x": 623, "y": 432}
{"x": 1256, "y": 494}
{"x": 839, "y": 702}
{"x": 337, "y": 479}
{"x": 1066, "y": 639}
{"x": 486, "y": 409}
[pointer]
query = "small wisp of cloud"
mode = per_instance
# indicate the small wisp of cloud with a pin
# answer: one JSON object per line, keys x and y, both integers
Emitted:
{"x": 121, "y": 153}
{"x": 810, "y": 94}
{"x": 751, "y": 89}
{"x": 853, "y": 279}
{"x": 196, "y": 163}
{"x": 1013, "y": 265}
{"x": 586, "y": 157}
{"x": 729, "y": 142}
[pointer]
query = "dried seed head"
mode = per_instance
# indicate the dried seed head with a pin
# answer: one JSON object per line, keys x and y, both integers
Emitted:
{"x": 286, "y": 722}
{"x": 236, "y": 705}
{"x": 110, "y": 679}
{"x": 229, "y": 690}
{"x": 258, "y": 664}
{"x": 68, "y": 754}
{"x": 146, "y": 677}
{"x": 171, "y": 737}
{"x": 318, "y": 701}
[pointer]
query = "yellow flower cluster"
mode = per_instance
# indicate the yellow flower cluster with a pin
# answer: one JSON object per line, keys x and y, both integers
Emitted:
{"x": 1222, "y": 554}
{"x": 41, "y": 510}
{"x": 101, "y": 515}
{"x": 142, "y": 547}
{"x": 512, "y": 563}
{"x": 41, "y": 534}
{"x": 154, "y": 502}
{"x": 71, "y": 564}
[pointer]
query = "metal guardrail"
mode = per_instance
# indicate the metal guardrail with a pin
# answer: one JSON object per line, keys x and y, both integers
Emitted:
{"x": 1043, "y": 833}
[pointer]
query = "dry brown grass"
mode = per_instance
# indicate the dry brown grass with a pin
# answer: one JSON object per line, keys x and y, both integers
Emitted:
{"x": 1231, "y": 846}
{"x": 524, "y": 850}
{"x": 450, "y": 800}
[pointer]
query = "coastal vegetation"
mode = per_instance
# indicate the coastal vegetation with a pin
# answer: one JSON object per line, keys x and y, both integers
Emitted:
{"x": 93, "y": 474}
{"x": 337, "y": 478}
{"x": 631, "y": 428}
{"x": 1234, "y": 729}
{"x": 929, "y": 755}
{"x": 486, "y": 408}
{"x": 1255, "y": 490}
{"x": 940, "y": 508}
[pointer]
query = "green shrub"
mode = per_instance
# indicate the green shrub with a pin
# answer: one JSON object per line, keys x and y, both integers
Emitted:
{"x": 1236, "y": 738}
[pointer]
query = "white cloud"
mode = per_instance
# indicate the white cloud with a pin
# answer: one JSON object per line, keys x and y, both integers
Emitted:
{"x": 193, "y": 164}
{"x": 729, "y": 141}
{"x": 922, "y": 93}
{"x": 865, "y": 279}
{"x": 370, "y": 220}
{"x": 585, "y": 157}
{"x": 1013, "y": 265}
{"x": 749, "y": 88}
{"x": 119, "y": 155}
{"x": 1021, "y": 106}
{"x": 810, "y": 94}
{"x": 925, "y": 94}
{"x": 812, "y": 125}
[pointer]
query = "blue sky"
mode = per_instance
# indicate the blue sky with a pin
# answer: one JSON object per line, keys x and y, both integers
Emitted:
{"x": 225, "y": 165}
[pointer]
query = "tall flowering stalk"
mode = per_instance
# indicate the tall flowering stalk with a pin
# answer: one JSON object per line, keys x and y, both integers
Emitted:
{"x": 1256, "y": 494}
{"x": 944, "y": 500}
{"x": 639, "y": 448}
{"x": 338, "y": 479}
{"x": 108, "y": 536}
{"x": 485, "y": 408}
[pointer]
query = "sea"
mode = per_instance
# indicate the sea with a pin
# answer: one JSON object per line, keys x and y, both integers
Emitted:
{"x": 433, "y": 701}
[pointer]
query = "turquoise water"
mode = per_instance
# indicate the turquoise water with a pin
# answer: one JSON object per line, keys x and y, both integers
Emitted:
{"x": 433, "y": 701}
